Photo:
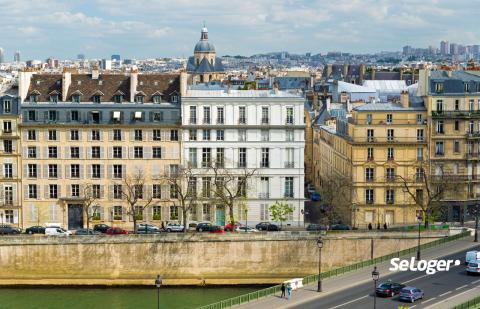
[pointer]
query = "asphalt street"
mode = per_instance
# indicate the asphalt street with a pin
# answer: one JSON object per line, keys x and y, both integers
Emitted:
{"x": 437, "y": 287}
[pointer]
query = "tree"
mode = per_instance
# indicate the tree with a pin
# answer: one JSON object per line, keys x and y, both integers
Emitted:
{"x": 280, "y": 211}
{"x": 90, "y": 196}
{"x": 133, "y": 192}
{"x": 336, "y": 198}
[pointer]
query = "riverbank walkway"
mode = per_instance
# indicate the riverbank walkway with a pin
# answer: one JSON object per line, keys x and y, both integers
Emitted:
{"x": 345, "y": 282}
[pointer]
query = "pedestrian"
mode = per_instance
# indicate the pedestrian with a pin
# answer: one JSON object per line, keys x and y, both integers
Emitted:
{"x": 283, "y": 290}
{"x": 378, "y": 225}
{"x": 289, "y": 290}
{"x": 385, "y": 226}
{"x": 370, "y": 226}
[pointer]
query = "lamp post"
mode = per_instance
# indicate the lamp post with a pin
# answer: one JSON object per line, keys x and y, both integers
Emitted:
{"x": 320, "y": 246}
{"x": 375, "y": 276}
{"x": 419, "y": 219}
{"x": 158, "y": 284}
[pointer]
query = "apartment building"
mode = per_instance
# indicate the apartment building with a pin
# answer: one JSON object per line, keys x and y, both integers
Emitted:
{"x": 93, "y": 130}
{"x": 378, "y": 148}
{"x": 238, "y": 130}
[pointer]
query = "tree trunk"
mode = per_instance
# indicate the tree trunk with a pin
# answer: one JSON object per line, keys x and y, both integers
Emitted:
{"x": 134, "y": 220}
{"x": 184, "y": 214}
{"x": 232, "y": 218}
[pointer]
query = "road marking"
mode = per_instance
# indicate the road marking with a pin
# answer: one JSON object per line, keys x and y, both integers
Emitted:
{"x": 412, "y": 306}
{"x": 415, "y": 279}
{"x": 475, "y": 281}
{"x": 444, "y": 293}
{"x": 447, "y": 299}
{"x": 424, "y": 302}
{"x": 461, "y": 287}
{"x": 349, "y": 302}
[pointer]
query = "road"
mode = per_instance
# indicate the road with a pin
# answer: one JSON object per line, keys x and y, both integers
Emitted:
{"x": 439, "y": 288}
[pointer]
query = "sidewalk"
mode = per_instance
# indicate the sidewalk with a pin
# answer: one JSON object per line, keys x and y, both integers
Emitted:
{"x": 343, "y": 282}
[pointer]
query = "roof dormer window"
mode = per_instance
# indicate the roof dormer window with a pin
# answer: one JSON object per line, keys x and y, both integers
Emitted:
{"x": 76, "y": 98}
{"x": 466, "y": 87}
{"x": 139, "y": 99}
{"x": 118, "y": 98}
{"x": 54, "y": 98}
{"x": 174, "y": 98}
{"x": 157, "y": 99}
{"x": 97, "y": 98}
{"x": 438, "y": 87}
{"x": 33, "y": 98}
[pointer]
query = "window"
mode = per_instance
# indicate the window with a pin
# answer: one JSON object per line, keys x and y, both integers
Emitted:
{"x": 32, "y": 191}
{"x": 419, "y": 154}
{"x": 32, "y": 170}
{"x": 117, "y": 212}
{"x": 264, "y": 135}
{"x": 419, "y": 196}
{"x": 8, "y": 146}
{"x": 265, "y": 161}
{"x": 471, "y": 127}
{"x": 139, "y": 99}
{"x": 438, "y": 87}
{"x": 420, "y": 136}
{"x": 117, "y": 152}
{"x": 369, "y": 118}
{"x": 74, "y": 136}
{"x": 242, "y": 135}
{"x": 456, "y": 146}
{"x": 290, "y": 115}
{"x": 390, "y": 196}
{"x": 220, "y": 135}
{"x": 192, "y": 135}
{"x": 206, "y": 187}
{"x": 96, "y": 99}
{"x": 157, "y": 135}
{"x": 206, "y": 135}
{"x": 158, "y": 116}
{"x": 369, "y": 153}
{"x": 117, "y": 171}
{"x": 157, "y": 99}
{"x": 52, "y": 115}
{"x": 192, "y": 187}
{"x": 439, "y": 106}
{"x": 96, "y": 171}
{"x": 439, "y": 150}
{"x": 118, "y": 98}
{"x": 220, "y": 159}
{"x": 264, "y": 187}
{"x": 242, "y": 115}
{"x": 52, "y": 135}
{"x": 290, "y": 158}
{"x": 32, "y": 116}
{"x": 390, "y": 173}
{"x": 96, "y": 152}
{"x": 52, "y": 171}
{"x": 289, "y": 136}
{"x": 8, "y": 198}
{"x": 174, "y": 135}
{"x": 419, "y": 119}
{"x": 173, "y": 191}
{"x": 53, "y": 191}
{"x": 457, "y": 105}
{"x": 440, "y": 127}
{"x": 117, "y": 135}
{"x": 7, "y": 107}
{"x": 75, "y": 171}
{"x": 52, "y": 152}
{"x": 369, "y": 173}
{"x": 173, "y": 212}
{"x": 138, "y": 135}
{"x": 32, "y": 152}
{"x": 369, "y": 198}
{"x": 138, "y": 191}
{"x": 138, "y": 152}
{"x": 157, "y": 191}
{"x": 264, "y": 215}
{"x": 32, "y": 135}
{"x": 193, "y": 115}
{"x": 8, "y": 170}
{"x": 96, "y": 191}
{"x": 33, "y": 98}
{"x": 206, "y": 157}
{"x": 242, "y": 186}
{"x": 117, "y": 192}
{"x": 74, "y": 152}
{"x": 390, "y": 153}
{"x": 206, "y": 114}
{"x": 370, "y": 136}
{"x": 74, "y": 116}
{"x": 471, "y": 104}
{"x": 7, "y": 126}
{"x": 242, "y": 157}
{"x": 419, "y": 174}
{"x": 389, "y": 118}
{"x": 157, "y": 152}
{"x": 95, "y": 135}
{"x": 220, "y": 115}
{"x": 192, "y": 157}
{"x": 76, "y": 98}
{"x": 466, "y": 87}
{"x": 265, "y": 118}
{"x": 390, "y": 135}
{"x": 288, "y": 187}
{"x": 457, "y": 125}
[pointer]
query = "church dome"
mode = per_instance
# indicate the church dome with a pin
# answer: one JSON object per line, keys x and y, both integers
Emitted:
{"x": 204, "y": 46}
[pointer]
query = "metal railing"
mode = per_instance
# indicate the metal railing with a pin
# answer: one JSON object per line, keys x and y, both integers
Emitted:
{"x": 254, "y": 296}
{"x": 473, "y": 303}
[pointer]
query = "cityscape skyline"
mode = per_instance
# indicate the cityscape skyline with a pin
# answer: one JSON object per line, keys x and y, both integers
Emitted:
{"x": 292, "y": 26}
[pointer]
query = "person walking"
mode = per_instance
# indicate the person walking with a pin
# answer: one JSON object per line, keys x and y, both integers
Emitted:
{"x": 283, "y": 290}
{"x": 385, "y": 226}
{"x": 370, "y": 226}
{"x": 289, "y": 290}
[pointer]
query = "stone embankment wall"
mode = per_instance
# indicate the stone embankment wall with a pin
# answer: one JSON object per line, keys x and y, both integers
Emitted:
{"x": 187, "y": 259}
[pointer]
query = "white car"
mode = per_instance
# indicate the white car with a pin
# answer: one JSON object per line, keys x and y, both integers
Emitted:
{"x": 57, "y": 231}
{"x": 472, "y": 256}
{"x": 174, "y": 227}
{"x": 473, "y": 267}
{"x": 243, "y": 229}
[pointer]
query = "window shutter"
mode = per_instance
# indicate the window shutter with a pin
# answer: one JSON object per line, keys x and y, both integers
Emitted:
{"x": 80, "y": 135}
{"x": 59, "y": 171}
{"x": 15, "y": 216}
{"x": 131, "y": 152}
{"x": 59, "y": 152}
{"x": 80, "y": 149}
{"x": 25, "y": 116}
{"x": 82, "y": 167}
{"x": 89, "y": 152}
{"x": 89, "y": 167}
{"x": 110, "y": 152}
{"x": 132, "y": 135}
{"x": 102, "y": 171}
{"x": 45, "y": 152}
{"x": 45, "y": 116}
{"x": 67, "y": 153}
{"x": 147, "y": 152}
{"x": 102, "y": 191}
{"x": 124, "y": 170}
{"x": 109, "y": 171}
{"x": 110, "y": 191}
{"x": 110, "y": 134}
{"x": 46, "y": 135}
{"x": 15, "y": 170}
{"x": 68, "y": 117}
{"x": 25, "y": 191}
{"x": 25, "y": 170}
{"x": 45, "y": 193}
{"x": 67, "y": 171}
{"x": 25, "y": 135}
{"x": 69, "y": 190}
{"x": 59, "y": 190}
{"x": 45, "y": 171}
{"x": 102, "y": 152}
{"x": 124, "y": 152}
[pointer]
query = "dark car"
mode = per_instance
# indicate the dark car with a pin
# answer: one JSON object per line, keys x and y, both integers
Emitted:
{"x": 116, "y": 231}
{"x": 203, "y": 227}
{"x": 146, "y": 228}
{"x": 316, "y": 227}
{"x": 267, "y": 226}
{"x": 340, "y": 227}
{"x": 389, "y": 289}
{"x": 35, "y": 230}
{"x": 102, "y": 228}
{"x": 86, "y": 232}
{"x": 9, "y": 230}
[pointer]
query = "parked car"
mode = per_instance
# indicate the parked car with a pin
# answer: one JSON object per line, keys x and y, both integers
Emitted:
{"x": 340, "y": 227}
{"x": 57, "y": 231}
{"x": 472, "y": 256}
{"x": 116, "y": 231}
{"x": 203, "y": 227}
{"x": 267, "y": 226}
{"x": 389, "y": 289}
{"x": 174, "y": 227}
{"x": 216, "y": 229}
{"x": 102, "y": 228}
{"x": 316, "y": 227}
{"x": 86, "y": 232}
{"x": 231, "y": 227}
{"x": 9, "y": 230}
{"x": 246, "y": 229}
{"x": 35, "y": 230}
{"x": 473, "y": 268}
{"x": 411, "y": 294}
{"x": 146, "y": 228}
{"x": 315, "y": 196}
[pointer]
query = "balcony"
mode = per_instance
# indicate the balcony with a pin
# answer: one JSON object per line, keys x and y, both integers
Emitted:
{"x": 242, "y": 164}
{"x": 264, "y": 164}
{"x": 389, "y": 140}
{"x": 473, "y": 134}
{"x": 390, "y": 201}
{"x": 265, "y": 121}
{"x": 242, "y": 120}
{"x": 192, "y": 121}
{"x": 456, "y": 114}
{"x": 390, "y": 178}
{"x": 472, "y": 155}
{"x": 263, "y": 195}
{"x": 289, "y": 164}
{"x": 370, "y": 179}
{"x": 220, "y": 121}
{"x": 369, "y": 201}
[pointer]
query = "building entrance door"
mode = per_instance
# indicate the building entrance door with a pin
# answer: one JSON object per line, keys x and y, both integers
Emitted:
{"x": 220, "y": 216}
{"x": 75, "y": 216}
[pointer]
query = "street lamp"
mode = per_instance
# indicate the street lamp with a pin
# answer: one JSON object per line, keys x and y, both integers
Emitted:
{"x": 158, "y": 284}
{"x": 419, "y": 219}
{"x": 320, "y": 246}
{"x": 375, "y": 276}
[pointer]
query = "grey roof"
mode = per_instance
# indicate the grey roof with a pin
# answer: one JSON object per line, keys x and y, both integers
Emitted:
{"x": 381, "y": 107}
{"x": 204, "y": 47}
{"x": 458, "y": 75}
{"x": 205, "y": 66}
{"x": 289, "y": 82}
{"x": 454, "y": 82}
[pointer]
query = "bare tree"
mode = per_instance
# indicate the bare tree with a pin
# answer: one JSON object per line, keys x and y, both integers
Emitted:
{"x": 133, "y": 192}
{"x": 336, "y": 198}
{"x": 89, "y": 199}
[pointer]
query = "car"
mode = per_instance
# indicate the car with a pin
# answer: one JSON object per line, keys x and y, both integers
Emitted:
{"x": 216, "y": 229}
{"x": 116, "y": 231}
{"x": 472, "y": 256}
{"x": 203, "y": 227}
{"x": 231, "y": 227}
{"x": 9, "y": 230}
{"x": 473, "y": 268}
{"x": 316, "y": 227}
{"x": 102, "y": 228}
{"x": 37, "y": 229}
{"x": 146, "y": 228}
{"x": 246, "y": 229}
{"x": 267, "y": 226}
{"x": 57, "y": 231}
{"x": 174, "y": 227}
{"x": 86, "y": 232}
{"x": 315, "y": 196}
{"x": 340, "y": 227}
{"x": 411, "y": 294}
{"x": 389, "y": 289}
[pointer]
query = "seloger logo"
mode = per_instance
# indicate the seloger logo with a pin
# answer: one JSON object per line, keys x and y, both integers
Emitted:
{"x": 430, "y": 266}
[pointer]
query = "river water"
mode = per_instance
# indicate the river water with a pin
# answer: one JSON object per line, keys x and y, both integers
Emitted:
{"x": 121, "y": 298}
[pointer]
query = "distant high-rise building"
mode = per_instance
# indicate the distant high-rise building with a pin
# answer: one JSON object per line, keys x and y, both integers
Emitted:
{"x": 106, "y": 64}
{"x": 16, "y": 56}
{"x": 52, "y": 63}
{"x": 308, "y": 55}
{"x": 407, "y": 50}
{"x": 444, "y": 48}
{"x": 476, "y": 49}
{"x": 115, "y": 58}
{"x": 453, "y": 49}
{"x": 2, "y": 55}
{"x": 81, "y": 57}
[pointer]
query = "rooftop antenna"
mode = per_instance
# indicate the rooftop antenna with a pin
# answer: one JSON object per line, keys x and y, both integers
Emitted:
{"x": 204, "y": 24}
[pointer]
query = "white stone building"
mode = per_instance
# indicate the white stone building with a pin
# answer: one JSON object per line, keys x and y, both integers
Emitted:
{"x": 246, "y": 129}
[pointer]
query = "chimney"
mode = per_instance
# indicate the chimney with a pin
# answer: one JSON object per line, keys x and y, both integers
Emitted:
{"x": 401, "y": 73}
{"x": 24, "y": 78}
{"x": 345, "y": 71}
{"x": 315, "y": 100}
{"x": 404, "y": 99}
{"x": 183, "y": 83}
{"x": 362, "y": 73}
{"x": 373, "y": 74}
{"x": 133, "y": 85}
{"x": 66, "y": 81}
{"x": 329, "y": 105}
{"x": 229, "y": 86}
{"x": 275, "y": 87}
{"x": 349, "y": 106}
{"x": 95, "y": 73}
{"x": 449, "y": 73}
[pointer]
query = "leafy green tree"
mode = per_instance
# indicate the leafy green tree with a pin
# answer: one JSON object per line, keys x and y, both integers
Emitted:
{"x": 280, "y": 211}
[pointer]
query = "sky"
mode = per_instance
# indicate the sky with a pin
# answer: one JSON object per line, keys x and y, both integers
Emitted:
{"x": 159, "y": 28}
